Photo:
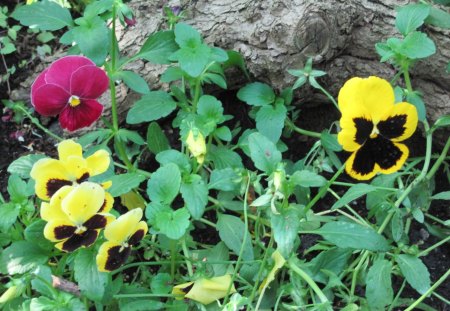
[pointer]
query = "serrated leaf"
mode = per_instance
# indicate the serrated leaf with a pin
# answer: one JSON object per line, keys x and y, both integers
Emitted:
{"x": 379, "y": 291}
{"x": 224, "y": 179}
{"x": 417, "y": 45}
{"x": 270, "y": 121}
{"x": 160, "y": 283}
{"x": 133, "y": 81}
{"x": 187, "y": 36}
{"x": 175, "y": 157}
{"x": 223, "y": 157}
{"x": 92, "y": 282}
{"x": 355, "y": 192}
{"x": 45, "y": 15}
{"x": 164, "y": 184}
{"x": 305, "y": 178}
{"x": 195, "y": 195}
{"x": 173, "y": 223}
{"x": 211, "y": 108}
{"x": 410, "y": 17}
{"x": 285, "y": 230}
{"x": 397, "y": 226}
{"x": 156, "y": 139}
{"x": 158, "y": 47}
{"x": 124, "y": 183}
{"x": 23, "y": 165}
{"x": 263, "y": 153}
{"x": 231, "y": 231}
{"x": 334, "y": 260}
{"x": 193, "y": 60}
{"x": 415, "y": 272}
{"x": 92, "y": 37}
{"x": 256, "y": 94}
{"x": 8, "y": 215}
{"x": 21, "y": 257}
{"x": 150, "y": 107}
{"x": 351, "y": 235}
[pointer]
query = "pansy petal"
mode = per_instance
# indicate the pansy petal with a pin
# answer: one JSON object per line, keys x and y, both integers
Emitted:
{"x": 111, "y": 256}
{"x": 99, "y": 221}
{"x": 53, "y": 209}
{"x": 360, "y": 165}
{"x": 83, "y": 202}
{"x": 49, "y": 100}
{"x": 141, "y": 231}
{"x": 50, "y": 176}
{"x": 83, "y": 115}
{"x": 356, "y": 127}
{"x": 107, "y": 204}
{"x": 59, "y": 229}
{"x": 76, "y": 241}
{"x": 206, "y": 291}
{"x": 61, "y": 70}
{"x": 399, "y": 123}
{"x": 395, "y": 156}
{"x": 123, "y": 227}
{"x": 77, "y": 166}
{"x": 373, "y": 93}
{"x": 40, "y": 81}
{"x": 68, "y": 148}
{"x": 98, "y": 162}
{"x": 89, "y": 82}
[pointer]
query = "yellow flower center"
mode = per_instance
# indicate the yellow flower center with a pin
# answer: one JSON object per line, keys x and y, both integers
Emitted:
{"x": 74, "y": 101}
{"x": 375, "y": 132}
{"x": 80, "y": 229}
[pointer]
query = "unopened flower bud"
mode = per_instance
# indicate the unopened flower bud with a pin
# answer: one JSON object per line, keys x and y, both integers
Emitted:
{"x": 196, "y": 145}
{"x": 10, "y": 294}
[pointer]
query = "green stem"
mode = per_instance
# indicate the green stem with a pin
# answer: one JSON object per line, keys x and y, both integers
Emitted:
{"x": 139, "y": 171}
{"x": 173, "y": 257}
{"x": 295, "y": 128}
{"x": 407, "y": 79}
{"x": 119, "y": 296}
{"x": 308, "y": 280}
{"x": 439, "y": 160}
{"x": 394, "y": 302}
{"x": 36, "y": 122}
{"x": 260, "y": 271}
{"x": 207, "y": 222}
{"x": 123, "y": 154}
{"x": 186, "y": 254}
{"x": 330, "y": 97}
{"x": 197, "y": 90}
{"x": 429, "y": 291}
{"x": 429, "y": 249}
{"x": 435, "y": 219}
{"x": 112, "y": 86}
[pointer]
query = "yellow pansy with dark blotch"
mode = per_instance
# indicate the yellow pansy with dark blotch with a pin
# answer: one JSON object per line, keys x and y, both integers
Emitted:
{"x": 372, "y": 127}
{"x": 75, "y": 215}
{"x": 121, "y": 234}
{"x": 71, "y": 168}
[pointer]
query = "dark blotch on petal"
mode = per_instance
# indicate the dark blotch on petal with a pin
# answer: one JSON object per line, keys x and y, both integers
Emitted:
{"x": 54, "y": 185}
{"x": 76, "y": 241}
{"x": 116, "y": 258}
{"x": 83, "y": 178}
{"x": 187, "y": 288}
{"x": 364, "y": 163}
{"x": 96, "y": 222}
{"x": 136, "y": 237}
{"x": 64, "y": 232}
{"x": 393, "y": 127}
{"x": 363, "y": 129}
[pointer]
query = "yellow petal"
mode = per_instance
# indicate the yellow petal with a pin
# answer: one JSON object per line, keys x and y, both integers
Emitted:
{"x": 398, "y": 165}
{"x": 50, "y": 175}
{"x": 355, "y": 174}
{"x": 196, "y": 145}
{"x": 59, "y": 230}
{"x": 120, "y": 230}
{"x": 139, "y": 232}
{"x": 83, "y": 202}
{"x": 98, "y": 162}
{"x": 206, "y": 291}
{"x": 53, "y": 209}
{"x": 179, "y": 290}
{"x": 347, "y": 137}
{"x": 401, "y": 121}
{"x": 132, "y": 200}
{"x": 279, "y": 263}
{"x": 108, "y": 203}
{"x": 111, "y": 256}
{"x": 373, "y": 93}
{"x": 68, "y": 148}
{"x": 77, "y": 167}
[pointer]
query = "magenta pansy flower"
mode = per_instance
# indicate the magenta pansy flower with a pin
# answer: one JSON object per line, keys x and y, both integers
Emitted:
{"x": 70, "y": 87}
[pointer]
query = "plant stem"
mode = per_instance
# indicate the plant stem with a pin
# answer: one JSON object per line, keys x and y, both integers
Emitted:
{"x": 197, "y": 89}
{"x": 186, "y": 254}
{"x": 119, "y": 296}
{"x": 36, "y": 122}
{"x": 429, "y": 249}
{"x": 300, "y": 130}
{"x": 260, "y": 271}
{"x": 429, "y": 291}
{"x": 330, "y": 97}
{"x": 439, "y": 160}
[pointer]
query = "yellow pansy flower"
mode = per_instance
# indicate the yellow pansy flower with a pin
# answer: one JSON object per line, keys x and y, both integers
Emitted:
{"x": 75, "y": 215}
{"x": 123, "y": 233}
{"x": 205, "y": 291}
{"x": 71, "y": 168}
{"x": 195, "y": 142}
{"x": 372, "y": 127}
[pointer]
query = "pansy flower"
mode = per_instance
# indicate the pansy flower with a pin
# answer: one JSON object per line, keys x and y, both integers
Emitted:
{"x": 70, "y": 87}
{"x": 71, "y": 168}
{"x": 204, "y": 290}
{"x": 372, "y": 127}
{"x": 75, "y": 215}
{"x": 195, "y": 142}
{"x": 123, "y": 233}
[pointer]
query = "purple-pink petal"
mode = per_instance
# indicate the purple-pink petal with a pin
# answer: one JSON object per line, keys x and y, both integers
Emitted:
{"x": 49, "y": 99}
{"x": 61, "y": 70}
{"x": 83, "y": 115}
{"x": 40, "y": 81}
{"x": 88, "y": 82}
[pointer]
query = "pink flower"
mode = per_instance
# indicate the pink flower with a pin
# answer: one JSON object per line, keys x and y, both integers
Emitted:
{"x": 70, "y": 87}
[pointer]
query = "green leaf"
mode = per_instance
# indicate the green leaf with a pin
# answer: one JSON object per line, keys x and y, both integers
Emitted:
{"x": 397, "y": 226}
{"x": 175, "y": 157}
{"x": 8, "y": 215}
{"x": 236, "y": 59}
{"x": 187, "y": 36}
{"x": 334, "y": 260}
{"x": 415, "y": 272}
{"x": 23, "y": 165}
{"x": 285, "y": 229}
{"x": 92, "y": 37}
{"x": 223, "y": 133}
{"x": 417, "y": 45}
{"x": 156, "y": 139}
{"x": 158, "y": 47}
{"x": 160, "y": 283}
{"x": 256, "y": 94}
{"x": 21, "y": 257}
{"x": 124, "y": 183}
{"x": 231, "y": 231}
{"x": 95, "y": 136}
{"x": 195, "y": 195}
{"x": 218, "y": 253}
{"x": 445, "y": 195}
{"x": 45, "y": 15}
{"x": 410, "y": 17}
{"x": 263, "y": 153}
{"x": 224, "y": 179}
{"x": 438, "y": 18}
{"x": 18, "y": 189}
{"x": 215, "y": 78}
{"x": 38, "y": 284}
{"x": 152, "y": 106}
{"x": 379, "y": 291}
{"x": 223, "y": 157}
{"x": 193, "y": 60}
{"x": 385, "y": 51}
{"x": 173, "y": 223}
{"x": 92, "y": 282}
{"x": 127, "y": 135}
{"x": 133, "y": 81}
{"x": 350, "y": 235}
{"x": 211, "y": 108}
{"x": 34, "y": 233}
{"x": 164, "y": 184}
{"x": 305, "y": 178}
{"x": 330, "y": 141}
{"x": 442, "y": 121}
{"x": 270, "y": 121}
{"x": 355, "y": 192}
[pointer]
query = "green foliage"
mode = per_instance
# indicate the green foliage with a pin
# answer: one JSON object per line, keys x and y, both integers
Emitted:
{"x": 164, "y": 184}
{"x": 414, "y": 271}
{"x": 233, "y": 233}
{"x": 411, "y": 17}
{"x": 263, "y": 153}
{"x": 152, "y": 106}
{"x": 124, "y": 183}
{"x": 379, "y": 291}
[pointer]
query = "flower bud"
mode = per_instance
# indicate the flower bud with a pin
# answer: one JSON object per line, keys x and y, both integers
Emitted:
{"x": 10, "y": 294}
{"x": 196, "y": 145}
